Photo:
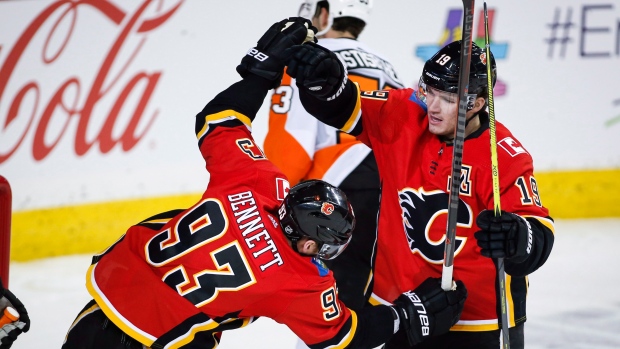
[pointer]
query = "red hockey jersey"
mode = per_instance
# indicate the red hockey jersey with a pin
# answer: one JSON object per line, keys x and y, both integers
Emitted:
{"x": 415, "y": 170}
{"x": 181, "y": 277}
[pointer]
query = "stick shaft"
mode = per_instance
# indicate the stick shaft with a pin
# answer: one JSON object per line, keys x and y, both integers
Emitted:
{"x": 459, "y": 139}
{"x": 495, "y": 174}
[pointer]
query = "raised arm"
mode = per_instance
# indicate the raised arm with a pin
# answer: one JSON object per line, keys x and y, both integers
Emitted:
{"x": 261, "y": 69}
{"x": 324, "y": 88}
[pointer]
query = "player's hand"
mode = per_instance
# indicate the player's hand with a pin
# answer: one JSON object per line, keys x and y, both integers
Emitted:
{"x": 269, "y": 56}
{"x": 429, "y": 310}
{"x": 10, "y": 331}
{"x": 317, "y": 70}
{"x": 507, "y": 236}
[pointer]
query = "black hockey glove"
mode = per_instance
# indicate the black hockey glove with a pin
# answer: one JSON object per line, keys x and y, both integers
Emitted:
{"x": 269, "y": 56}
{"x": 507, "y": 236}
{"x": 429, "y": 310}
{"x": 10, "y": 331}
{"x": 317, "y": 71}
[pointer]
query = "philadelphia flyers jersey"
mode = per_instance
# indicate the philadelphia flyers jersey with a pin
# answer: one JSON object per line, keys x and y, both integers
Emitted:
{"x": 305, "y": 148}
{"x": 181, "y": 277}
{"x": 415, "y": 170}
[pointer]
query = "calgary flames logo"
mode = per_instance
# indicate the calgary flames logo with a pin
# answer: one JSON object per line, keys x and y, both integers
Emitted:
{"x": 424, "y": 220}
{"x": 483, "y": 58}
{"x": 327, "y": 208}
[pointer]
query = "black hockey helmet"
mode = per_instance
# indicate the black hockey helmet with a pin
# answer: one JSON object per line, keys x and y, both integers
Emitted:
{"x": 442, "y": 70}
{"x": 320, "y": 211}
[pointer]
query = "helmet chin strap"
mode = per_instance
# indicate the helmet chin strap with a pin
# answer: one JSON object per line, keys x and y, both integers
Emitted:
{"x": 470, "y": 119}
{"x": 294, "y": 244}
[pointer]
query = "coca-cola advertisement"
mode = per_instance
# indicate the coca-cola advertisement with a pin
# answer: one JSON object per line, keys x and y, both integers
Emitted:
{"x": 98, "y": 97}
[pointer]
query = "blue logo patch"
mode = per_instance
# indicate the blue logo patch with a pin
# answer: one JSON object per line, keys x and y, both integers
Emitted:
{"x": 323, "y": 271}
{"x": 414, "y": 98}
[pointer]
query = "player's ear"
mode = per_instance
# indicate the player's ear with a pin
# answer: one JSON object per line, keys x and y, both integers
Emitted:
{"x": 478, "y": 104}
{"x": 309, "y": 247}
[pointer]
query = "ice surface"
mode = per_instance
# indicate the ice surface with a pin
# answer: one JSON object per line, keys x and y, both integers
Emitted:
{"x": 574, "y": 300}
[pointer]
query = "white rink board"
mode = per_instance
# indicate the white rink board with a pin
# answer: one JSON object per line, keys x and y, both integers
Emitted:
{"x": 561, "y": 100}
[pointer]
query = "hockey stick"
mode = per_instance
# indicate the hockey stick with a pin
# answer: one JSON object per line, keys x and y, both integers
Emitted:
{"x": 497, "y": 209}
{"x": 459, "y": 139}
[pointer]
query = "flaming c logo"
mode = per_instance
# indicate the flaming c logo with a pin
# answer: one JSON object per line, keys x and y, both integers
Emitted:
{"x": 483, "y": 58}
{"x": 327, "y": 208}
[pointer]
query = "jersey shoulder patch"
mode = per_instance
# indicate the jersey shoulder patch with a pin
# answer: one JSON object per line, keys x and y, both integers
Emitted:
{"x": 511, "y": 146}
{"x": 321, "y": 267}
{"x": 414, "y": 98}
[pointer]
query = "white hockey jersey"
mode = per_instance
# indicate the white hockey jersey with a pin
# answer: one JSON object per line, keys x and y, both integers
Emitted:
{"x": 303, "y": 147}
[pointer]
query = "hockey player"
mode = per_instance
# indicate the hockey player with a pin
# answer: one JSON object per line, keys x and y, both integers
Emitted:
{"x": 246, "y": 249}
{"x": 9, "y": 330}
{"x": 305, "y": 148}
{"x": 411, "y": 133}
